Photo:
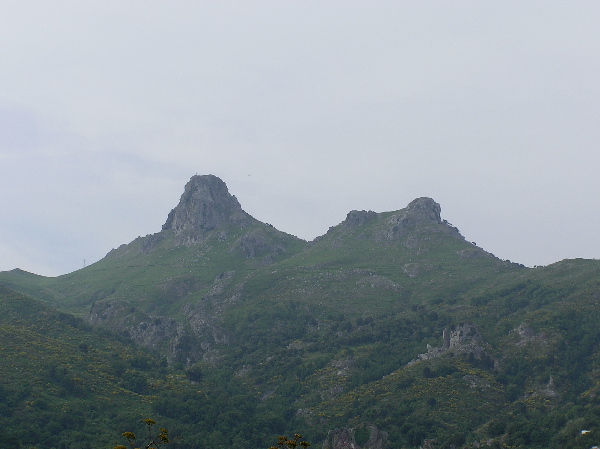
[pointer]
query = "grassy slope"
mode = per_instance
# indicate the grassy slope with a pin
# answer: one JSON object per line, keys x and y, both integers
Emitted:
{"x": 131, "y": 273}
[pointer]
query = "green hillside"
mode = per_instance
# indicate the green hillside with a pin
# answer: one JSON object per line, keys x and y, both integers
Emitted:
{"x": 65, "y": 384}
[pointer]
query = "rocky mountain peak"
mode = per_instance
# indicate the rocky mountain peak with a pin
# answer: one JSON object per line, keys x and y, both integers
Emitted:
{"x": 206, "y": 204}
{"x": 420, "y": 215}
{"x": 425, "y": 208}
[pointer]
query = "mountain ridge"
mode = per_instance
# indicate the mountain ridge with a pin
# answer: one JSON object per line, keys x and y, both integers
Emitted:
{"x": 345, "y": 331}
{"x": 210, "y": 253}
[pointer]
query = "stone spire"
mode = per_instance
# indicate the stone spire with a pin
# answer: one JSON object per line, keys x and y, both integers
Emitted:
{"x": 206, "y": 204}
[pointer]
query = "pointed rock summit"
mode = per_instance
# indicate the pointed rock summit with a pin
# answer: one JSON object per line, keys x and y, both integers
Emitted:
{"x": 425, "y": 209}
{"x": 206, "y": 204}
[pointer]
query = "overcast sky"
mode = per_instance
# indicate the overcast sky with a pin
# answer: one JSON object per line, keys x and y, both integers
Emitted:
{"x": 307, "y": 110}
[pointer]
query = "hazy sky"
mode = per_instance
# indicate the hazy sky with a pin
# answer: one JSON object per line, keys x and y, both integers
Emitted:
{"x": 307, "y": 110}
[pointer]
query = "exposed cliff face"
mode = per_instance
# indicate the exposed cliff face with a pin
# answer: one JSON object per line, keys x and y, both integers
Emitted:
{"x": 359, "y": 217}
{"x": 158, "y": 333}
{"x": 344, "y": 438}
{"x": 205, "y": 205}
{"x": 421, "y": 214}
{"x": 186, "y": 341}
{"x": 463, "y": 338}
{"x": 425, "y": 209}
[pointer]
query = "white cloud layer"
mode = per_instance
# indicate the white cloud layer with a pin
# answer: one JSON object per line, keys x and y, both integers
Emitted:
{"x": 307, "y": 110}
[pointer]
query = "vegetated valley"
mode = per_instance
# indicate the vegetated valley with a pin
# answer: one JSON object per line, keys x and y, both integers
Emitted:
{"x": 389, "y": 331}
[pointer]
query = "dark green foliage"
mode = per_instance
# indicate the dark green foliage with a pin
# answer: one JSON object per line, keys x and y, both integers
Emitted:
{"x": 361, "y": 435}
{"x": 194, "y": 373}
{"x": 135, "y": 381}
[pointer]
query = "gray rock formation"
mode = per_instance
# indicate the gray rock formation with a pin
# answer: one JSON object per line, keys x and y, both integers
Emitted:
{"x": 412, "y": 225}
{"x": 463, "y": 338}
{"x": 344, "y": 439}
{"x": 377, "y": 439}
{"x": 258, "y": 244}
{"x": 527, "y": 335}
{"x": 359, "y": 217}
{"x": 425, "y": 209}
{"x": 150, "y": 331}
{"x": 420, "y": 213}
{"x": 340, "y": 439}
{"x": 205, "y": 205}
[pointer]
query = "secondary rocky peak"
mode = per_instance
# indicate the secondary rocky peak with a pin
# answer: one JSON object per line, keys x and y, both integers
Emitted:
{"x": 359, "y": 217}
{"x": 421, "y": 215}
{"x": 206, "y": 204}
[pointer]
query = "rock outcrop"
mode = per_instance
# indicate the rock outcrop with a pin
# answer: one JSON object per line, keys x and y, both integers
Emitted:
{"x": 421, "y": 213}
{"x": 344, "y": 438}
{"x": 205, "y": 205}
{"x": 527, "y": 335}
{"x": 413, "y": 226}
{"x": 463, "y": 338}
{"x": 425, "y": 209}
{"x": 359, "y": 217}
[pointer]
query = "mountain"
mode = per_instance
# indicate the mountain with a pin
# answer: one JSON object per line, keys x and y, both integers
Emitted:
{"x": 391, "y": 328}
{"x": 206, "y": 244}
{"x": 173, "y": 289}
